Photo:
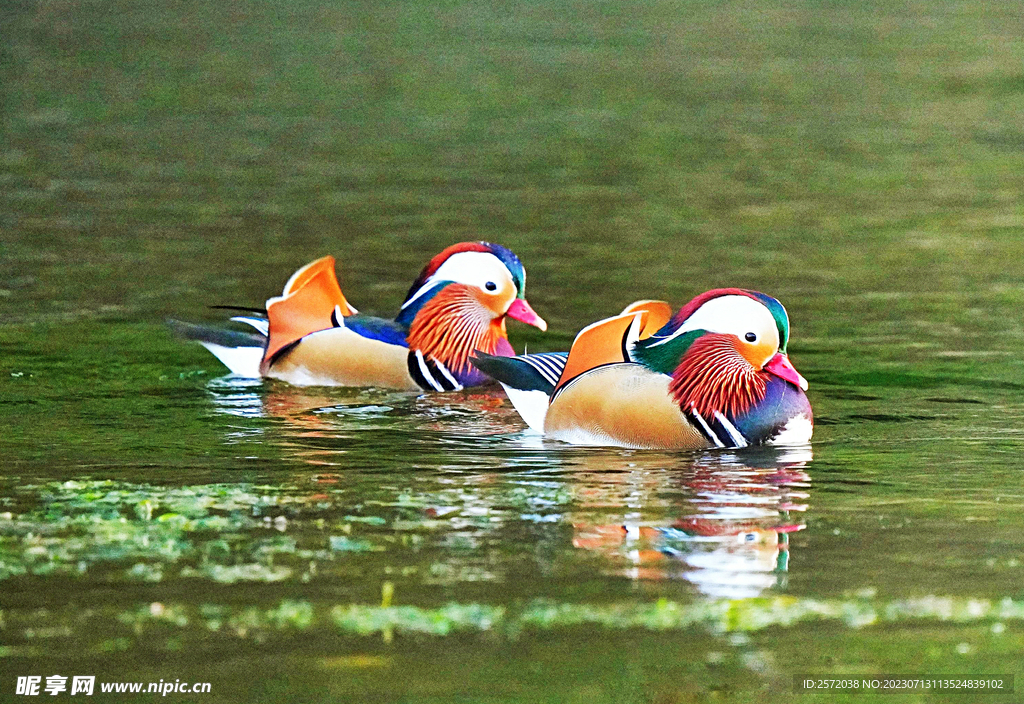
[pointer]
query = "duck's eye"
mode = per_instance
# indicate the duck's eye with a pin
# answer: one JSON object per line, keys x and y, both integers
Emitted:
{"x": 491, "y": 286}
{"x": 750, "y": 337}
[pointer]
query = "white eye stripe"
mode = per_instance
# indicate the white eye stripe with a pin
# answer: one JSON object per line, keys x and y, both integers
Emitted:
{"x": 730, "y": 315}
{"x": 471, "y": 268}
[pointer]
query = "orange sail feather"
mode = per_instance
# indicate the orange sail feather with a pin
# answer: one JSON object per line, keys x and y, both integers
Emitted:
{"x": 306, "y": 305}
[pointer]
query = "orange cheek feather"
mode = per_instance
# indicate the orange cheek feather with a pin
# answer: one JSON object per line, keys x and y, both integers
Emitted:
{"x": 454, "y": 324}
{"x": 715, "y": 375}
{"x": 758, "y": 355}
{"x": 497, "y": 303}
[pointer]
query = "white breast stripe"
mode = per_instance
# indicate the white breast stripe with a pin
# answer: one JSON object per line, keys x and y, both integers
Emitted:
{"x": 737, "y": 437}
{"x": 426, "y": 372}
{"x": 710, "y": 432}
{"x": 444, "y": 370}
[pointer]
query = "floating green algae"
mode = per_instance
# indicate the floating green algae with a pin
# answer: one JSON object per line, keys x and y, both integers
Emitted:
{"x": 512, "y": 621}
{"x": 222, "y": 532}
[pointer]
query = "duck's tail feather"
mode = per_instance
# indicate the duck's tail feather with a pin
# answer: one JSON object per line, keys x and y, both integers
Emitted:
{"x": 241, "y": 309}
{"x": 528, "y": 380}
{"x": 214, "y": 335}
{"x": 527, "y": 372}
{"x": 261, "y": 325}
{"x": 311, "y": 301}
{"x": 240, "y": 352}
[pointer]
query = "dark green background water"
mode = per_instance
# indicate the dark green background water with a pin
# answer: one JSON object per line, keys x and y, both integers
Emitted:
{"x": 860, "y": 161}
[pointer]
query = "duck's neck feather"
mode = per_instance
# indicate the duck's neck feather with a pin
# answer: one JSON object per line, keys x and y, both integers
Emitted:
{"x": 414, "y": 304}
{"x": 663, "y": 357}
{"x": 451, "y": 325}
{"x": 713, "y": 376}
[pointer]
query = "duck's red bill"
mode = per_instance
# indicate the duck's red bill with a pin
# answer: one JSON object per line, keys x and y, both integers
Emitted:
{"x": 780, "y": 366}
{"x": 520, "y": 310}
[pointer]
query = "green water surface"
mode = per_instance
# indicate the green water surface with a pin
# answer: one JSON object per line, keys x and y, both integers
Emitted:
{"x": 860, "y": 161}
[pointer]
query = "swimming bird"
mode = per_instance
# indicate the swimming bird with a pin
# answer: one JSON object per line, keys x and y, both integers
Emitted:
{"x": 312, "y": 335}
{"x": 715, "y": 374}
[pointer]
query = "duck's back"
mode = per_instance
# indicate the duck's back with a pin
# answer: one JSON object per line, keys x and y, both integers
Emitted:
{"x": 342, "y": 356}
{"x": 620, "y": 404}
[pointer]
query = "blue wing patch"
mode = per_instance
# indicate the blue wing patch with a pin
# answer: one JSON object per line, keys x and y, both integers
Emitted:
{"x": 377, "y": 329}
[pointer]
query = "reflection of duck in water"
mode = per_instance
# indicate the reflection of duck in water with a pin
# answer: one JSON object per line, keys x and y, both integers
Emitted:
{"x": 328, "y": 412}
{"x": 714, "y": 375}
{"x": 741, "y": 563}
{"x": 313, "y": 337}
{"x": 734, "y": 543}
{"x": 726, "y": 559}
{"x": 319, "y": 425}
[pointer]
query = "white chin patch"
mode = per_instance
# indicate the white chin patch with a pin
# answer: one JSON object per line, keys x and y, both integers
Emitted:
{"x": 796, "y": 432}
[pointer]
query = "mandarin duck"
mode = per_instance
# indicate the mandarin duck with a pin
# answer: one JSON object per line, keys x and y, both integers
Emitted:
{"x": 312, "y": 335}
{"x": 716, "y": 374}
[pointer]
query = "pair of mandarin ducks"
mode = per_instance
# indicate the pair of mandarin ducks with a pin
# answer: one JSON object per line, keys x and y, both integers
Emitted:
{"x": 715, "y": 374}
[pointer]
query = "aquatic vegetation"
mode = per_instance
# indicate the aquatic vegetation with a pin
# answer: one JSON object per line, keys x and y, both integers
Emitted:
{"x": 187, "y": 624}
{"x": 226, "y": 532}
